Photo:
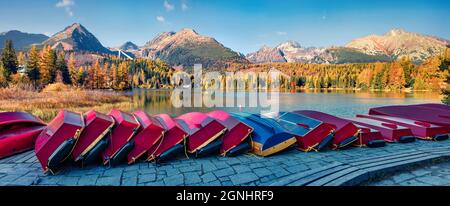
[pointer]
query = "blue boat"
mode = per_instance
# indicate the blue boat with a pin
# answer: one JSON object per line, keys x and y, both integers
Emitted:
{"x": 268, "y": 136}
{"x": 311, "y": 134}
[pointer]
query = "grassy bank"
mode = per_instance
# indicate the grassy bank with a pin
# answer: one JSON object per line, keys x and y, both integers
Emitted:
{"x": 47, "y": 103}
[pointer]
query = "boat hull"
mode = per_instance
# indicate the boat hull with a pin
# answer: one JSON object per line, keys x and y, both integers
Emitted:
{"x": 345, "y": 132}
{"x": 414, "y": 113}
{"x": 125, "y": 127}
{"x": 18, "y": 132}
{"x": 202, "y": 130}
{"x": 97, "y": 127}
{"x": 369, "y": 137}
{"x": 268, "y": 138}
{"x": 237, "y": 132}
{"x": 422, "y": 130}
{"x": 172, "y": 142}
{"x": 150, "y": 133}
{"x": 390, "y": 132}
{"x": 56, "y": 141}
{"x": 311, "y": 134}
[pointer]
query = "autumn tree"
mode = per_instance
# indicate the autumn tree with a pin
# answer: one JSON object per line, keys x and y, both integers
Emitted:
{"x": 3, "y": 80}
{"x": 33, "y": 65}
{"x": 47, "y": 65}
{"x": 9, "y": 59}
{"x": 445, "y": 67}
{"x": 396, "y": 77}
{"x": 73, "y": 72}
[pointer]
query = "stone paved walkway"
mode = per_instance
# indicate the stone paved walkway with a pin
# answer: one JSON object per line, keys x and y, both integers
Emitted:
{"x": 24, "y": 169}
{"x": 425, "y": 175}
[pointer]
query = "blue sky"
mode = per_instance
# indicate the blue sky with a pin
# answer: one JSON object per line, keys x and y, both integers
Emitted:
{"x": 243, "y": 25}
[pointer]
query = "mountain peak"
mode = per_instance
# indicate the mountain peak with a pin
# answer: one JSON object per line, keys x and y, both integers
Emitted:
{"x": 76, "y": 38}
{"x": 188, "y": 31}
{"x": 395, "y": 32}
{"x": 129, "y": 46}
{"x": 290, "y": 43}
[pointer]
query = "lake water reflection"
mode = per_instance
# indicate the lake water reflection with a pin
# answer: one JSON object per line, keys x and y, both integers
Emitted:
{"x": 341, "y": 103}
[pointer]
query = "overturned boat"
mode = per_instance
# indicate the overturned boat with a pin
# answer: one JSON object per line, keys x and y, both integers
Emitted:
{"x": 172, "y": 142}
{"x": 345, "y": 132}
{"x": 369, "y": 137}
{"x": 435, "y": 106}
{"x": 422, "y": 130}
{"x": 120, "y": 144}
{"x": 391, "y": 132}
{"x": 150, "y": 132}
{"x": 55, "y": 143}
{"x": 417, "y": 113}
{"x": 92, "y": 140}
{"x": 18, "y": 132}
{"x": 234, "y": 140}
{"x": 268, "y": 136}
{"x": 204, "y": 133}
{"x": 311, "y": 134}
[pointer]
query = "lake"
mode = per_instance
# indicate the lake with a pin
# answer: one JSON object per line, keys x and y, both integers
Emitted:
{"x": 340, "y": 103}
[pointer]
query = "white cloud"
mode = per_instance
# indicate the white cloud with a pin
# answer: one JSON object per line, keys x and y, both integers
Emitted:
{"x": 168, "y": 6}
{"x": 161, "y": 19}
{"x": 282, "y": 33}
{"x": 184, "y": 6}
{"x": 66, "y": 5}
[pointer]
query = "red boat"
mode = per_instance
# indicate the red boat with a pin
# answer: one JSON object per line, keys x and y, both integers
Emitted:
{"x": 120, "y": 143}
{"x": 414, "y": 113}
{"x": 344, "y": 131}
{"x": 422, "y": 130}
{"x": 391, "y": 132}
{"x": 237, "y": 132}
{"x": 92, "y": 140}
{"x": 171, "y": 144}
{"x": 435, "y": 106}
{"x": 311, "y": 134}
{"x": 369, "y": 137}
{"x": 18, "y": 132}
{"x": 203, "y": 131}
{"x": 57, "y": 140}
{"x": 150, "y": 133}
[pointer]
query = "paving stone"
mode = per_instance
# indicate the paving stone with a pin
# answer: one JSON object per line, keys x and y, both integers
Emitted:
{"x": 241, "y": 168}
{"x": 413, "y": 183}
{"x": 224, "y": 172}
{"x": 297, "y": 168}
{"x": 68, "y": 181}
{"x": 157, "y": 183}
{"x": 420, "y": 172}
{"x": 144, "y": 178}
{"x": 221, "y": 165}
{"x": 214, "y": 183}
{"x": 190, "y": 168}
{"x": 172, "y": 172}
{"x": 108, "y": 181}
{"x": 24, "y": 181}
{"x": 262, "y": 172}
{"x": 208, "y": 177}
{"x": 131, "y": 181}
{"x": 239, "y": 179}
{"x": 191, "y": 178}
{"x": 433, "y": 180}
{"x": 208, "y": 167}
{"x": 113, "y": 172}
{"x": 174, "y": 180}
{"x": 402, "y": 177}
{"x": 88, "y": 180}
